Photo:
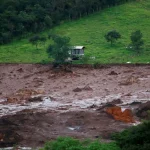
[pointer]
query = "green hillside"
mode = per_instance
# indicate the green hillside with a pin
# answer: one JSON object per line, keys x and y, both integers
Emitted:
{"x": 89, "y": 32}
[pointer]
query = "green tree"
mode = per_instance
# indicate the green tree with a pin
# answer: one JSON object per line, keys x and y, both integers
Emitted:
{"x": 134, "y": 138}
{"x": 42, "y": 40}
{"x": 112, "y": 36}
{"x": 59, "y": 50}
{"x": 35, "y": 40}
{"x": 137, "y": 41}
{"x": 48, "y": 21}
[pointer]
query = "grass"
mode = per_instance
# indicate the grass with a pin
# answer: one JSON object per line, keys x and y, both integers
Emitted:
{"x": 68, "y": 143}
{"x": 89, "y": 32}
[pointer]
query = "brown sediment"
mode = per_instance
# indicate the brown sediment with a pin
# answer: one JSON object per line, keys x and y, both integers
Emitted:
{"x": 82, "y": 96}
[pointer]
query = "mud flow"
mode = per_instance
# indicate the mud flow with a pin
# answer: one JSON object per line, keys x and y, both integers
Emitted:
{"x": 38, "y": 103}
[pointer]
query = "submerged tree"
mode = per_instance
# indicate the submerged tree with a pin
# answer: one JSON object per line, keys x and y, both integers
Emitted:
{"x": 112, "y": 36}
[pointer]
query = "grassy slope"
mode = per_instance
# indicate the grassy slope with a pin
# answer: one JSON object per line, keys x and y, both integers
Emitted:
{"x": 89, "y": 31}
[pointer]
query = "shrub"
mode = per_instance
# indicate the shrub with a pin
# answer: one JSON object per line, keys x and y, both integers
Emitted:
{"x": 69, "y": 143}
{"x": 134, "y": 138}
{"x": 84, "y": 59}
{"x": 96, "y": 65}
{"x": 136, "y": 41}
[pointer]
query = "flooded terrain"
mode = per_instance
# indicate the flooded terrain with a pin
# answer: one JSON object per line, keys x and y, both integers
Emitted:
{"x": 38, "y": 104}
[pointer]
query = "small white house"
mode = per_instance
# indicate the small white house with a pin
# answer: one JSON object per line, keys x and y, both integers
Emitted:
{"x": 77, "y": 50}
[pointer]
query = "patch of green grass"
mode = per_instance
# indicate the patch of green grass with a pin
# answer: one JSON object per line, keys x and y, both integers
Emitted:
{"x": 89, "y": 32}
{"x": 68, "y": 143}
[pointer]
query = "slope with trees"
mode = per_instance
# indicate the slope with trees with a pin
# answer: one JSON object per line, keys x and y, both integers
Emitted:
{"x": 21, "y": 16}
{"x": 89, "y": 31}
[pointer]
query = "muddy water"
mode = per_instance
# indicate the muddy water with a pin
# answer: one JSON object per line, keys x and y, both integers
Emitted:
{"x": 48, "y": 104}
{"x": 62, "y": 111}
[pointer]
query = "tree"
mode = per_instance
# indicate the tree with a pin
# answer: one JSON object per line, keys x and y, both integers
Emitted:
{"x": 5, "y": 38}
{"x": 59, "y": 51}
{"x": 34, "y": 40}
{"x": 112, "y": 36}
{"x": 136, "y": 41}
{"x": 48, "y": 21}
{"x": 42, "y": 40}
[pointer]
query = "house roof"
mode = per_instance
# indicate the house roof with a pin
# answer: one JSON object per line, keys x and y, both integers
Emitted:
{"x": 78, "y": 47}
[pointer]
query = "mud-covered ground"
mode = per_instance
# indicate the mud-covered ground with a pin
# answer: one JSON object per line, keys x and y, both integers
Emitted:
{"x": 39, "y": 104}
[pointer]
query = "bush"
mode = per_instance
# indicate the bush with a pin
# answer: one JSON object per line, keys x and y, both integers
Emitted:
{"x": 69, "y": 143}
{"x": 137, "y": 41}
{"x": 134, "y": 138}
{"x": 96, "y": 65}
{"x": 84, "y": 59}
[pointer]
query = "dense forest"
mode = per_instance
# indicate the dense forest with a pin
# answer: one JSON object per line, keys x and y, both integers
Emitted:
{"x": 22, "y": 16}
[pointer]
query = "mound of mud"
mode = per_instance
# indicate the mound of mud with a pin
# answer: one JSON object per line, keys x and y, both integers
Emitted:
{"x": 144, "y": 111}
{"x": 8, "y": 135}
{"x": 32, "y": 128}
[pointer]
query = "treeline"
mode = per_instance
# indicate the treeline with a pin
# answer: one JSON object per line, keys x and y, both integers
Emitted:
{"x": 21, "y": 16}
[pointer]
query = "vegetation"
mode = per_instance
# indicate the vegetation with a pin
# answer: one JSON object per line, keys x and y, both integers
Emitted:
{"x": 135, "y": 138}
{"x": 137, "y": 41}
{"x": 73, "y": 144}
{"x": 112, "y": 36}
{"x": 20, "y": 16}
{"x": 59, "y": 51}
{"x": 35, "y": 40}
{"x": 89, "y": 31}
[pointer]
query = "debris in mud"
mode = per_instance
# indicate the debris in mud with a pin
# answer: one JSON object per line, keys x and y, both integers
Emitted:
{"x": 143, "y": 110}
{"x": 128, "y": 71}
{"x": 129, "y": 81}
{"x": 135, "y": 103}
{"x": 35, "y": 99}
{"x": 8, "y": 135}
{"x": 128, "y": 94}
{"x": 12, "y": 100}
{"x": 86, "y": 88}
{"x": 23, "y": 95}
{"x": 28, "y": 92}
{"x": 75, "y": 128}
{"x": 113, "y": 73}
{"x": 118, "y": 114}
{"x": 92, "y": 106}
{"x": 51, "y": 76}
{"x": 20, "y": 70}
{"x": 77, "y": 89}
{"x": 116, "y": 101}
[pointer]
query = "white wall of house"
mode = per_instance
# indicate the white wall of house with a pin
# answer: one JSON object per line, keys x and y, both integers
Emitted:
{"x": 77, "y": 50}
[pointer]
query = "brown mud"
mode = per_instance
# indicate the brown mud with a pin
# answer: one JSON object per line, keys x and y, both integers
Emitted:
{"x": 38, "y": 104}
